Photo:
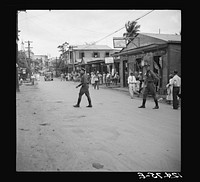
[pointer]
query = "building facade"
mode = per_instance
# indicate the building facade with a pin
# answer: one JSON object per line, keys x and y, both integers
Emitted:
{"x": 162, "y": 51}
{"x": 91, "y": 57}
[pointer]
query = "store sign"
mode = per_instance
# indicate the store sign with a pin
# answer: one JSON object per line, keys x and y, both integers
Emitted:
{"x": 109, "y": 60}
{"x": 119, "y": 42}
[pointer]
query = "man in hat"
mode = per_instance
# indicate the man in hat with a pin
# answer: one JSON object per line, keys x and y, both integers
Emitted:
{"x": 84, "y": 89}
{"x": 149, "y": 86}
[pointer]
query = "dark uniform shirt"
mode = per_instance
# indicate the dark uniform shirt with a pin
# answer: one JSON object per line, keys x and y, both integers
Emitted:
{"x": 150, "y": 77}
{"x": 84, "y": 81}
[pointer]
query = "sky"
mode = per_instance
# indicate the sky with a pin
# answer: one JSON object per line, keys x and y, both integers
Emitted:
{"x": 49, "y": 29}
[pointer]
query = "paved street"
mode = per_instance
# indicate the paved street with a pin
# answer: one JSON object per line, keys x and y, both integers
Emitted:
{"x": 114, "y": 135}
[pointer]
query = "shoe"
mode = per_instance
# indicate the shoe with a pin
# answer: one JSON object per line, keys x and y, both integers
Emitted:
{"x": 156, "y": 107}
{"x": 76, "y": 105}
{"x": 89, "y": 106}
{"x": 141, "y": 106}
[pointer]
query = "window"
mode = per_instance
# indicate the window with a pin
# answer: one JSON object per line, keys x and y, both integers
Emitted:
{"x": 96, "y": 54}
{"x": 107, "y": 54}
{"x": 81, "y": 55}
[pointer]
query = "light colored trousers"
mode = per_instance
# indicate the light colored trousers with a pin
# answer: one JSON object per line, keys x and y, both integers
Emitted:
{"x": 132, "y": 89}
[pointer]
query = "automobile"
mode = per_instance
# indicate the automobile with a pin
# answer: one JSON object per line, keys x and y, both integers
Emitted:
{"x": 48, "y": 76}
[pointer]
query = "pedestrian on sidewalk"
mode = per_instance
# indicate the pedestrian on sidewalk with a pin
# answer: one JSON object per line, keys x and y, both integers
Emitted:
{"x": 92, "y": 79}
{"x": 149, "y": 86}
{"x": 62, "y": 77}
{"x": 116, "y": 78}
{"x": 108, "y": 75}
{"x": 132, "y": 85}
{"x": 169, "y": 87}
{"x": 100, "y": 78}
{"x": 96, "y": 79}
{"x": 104, "y": 77}
{"x": 84, "y": 89}
{"x": 32, "y": 79}
{"x": 176, "y": 83}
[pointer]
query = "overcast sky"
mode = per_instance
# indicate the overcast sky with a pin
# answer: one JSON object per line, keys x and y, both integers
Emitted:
{"x": 48, "y": 29}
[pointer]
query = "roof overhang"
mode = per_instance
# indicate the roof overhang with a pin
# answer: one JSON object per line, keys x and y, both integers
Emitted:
{"x": 141, "y": 49}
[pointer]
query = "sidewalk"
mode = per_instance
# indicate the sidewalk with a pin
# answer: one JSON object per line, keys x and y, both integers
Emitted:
{"x": 125, "y": 90}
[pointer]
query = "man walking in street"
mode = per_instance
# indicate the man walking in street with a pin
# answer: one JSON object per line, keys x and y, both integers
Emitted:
{"x": 84, "y": 89}
{"x": 132, "y": 83}
{"x": 176, "y": 83}
{"x": 149, "y": 86}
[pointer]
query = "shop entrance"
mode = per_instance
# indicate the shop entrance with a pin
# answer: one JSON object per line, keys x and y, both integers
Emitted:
{"x": 125, "y": 73}
{"x": 157, "y": 68}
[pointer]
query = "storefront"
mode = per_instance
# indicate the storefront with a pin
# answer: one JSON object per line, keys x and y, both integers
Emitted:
{"x": 162, "y": 58}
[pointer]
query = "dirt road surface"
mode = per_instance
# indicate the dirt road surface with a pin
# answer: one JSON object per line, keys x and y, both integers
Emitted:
{"x": 114, "y": 135}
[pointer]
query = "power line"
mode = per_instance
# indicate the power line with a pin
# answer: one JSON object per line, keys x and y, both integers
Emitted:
{"x": 123, "y": 27}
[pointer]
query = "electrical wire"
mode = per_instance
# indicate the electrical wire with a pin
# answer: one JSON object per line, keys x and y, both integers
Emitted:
{"x": 122, "y": 27}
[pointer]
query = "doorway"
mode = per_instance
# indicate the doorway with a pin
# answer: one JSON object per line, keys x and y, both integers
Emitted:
{"x": 157, "y": 68}
{"x": 125, "y": 73}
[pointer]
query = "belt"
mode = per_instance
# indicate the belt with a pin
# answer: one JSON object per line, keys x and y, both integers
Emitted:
{"x": 132, "y": 83}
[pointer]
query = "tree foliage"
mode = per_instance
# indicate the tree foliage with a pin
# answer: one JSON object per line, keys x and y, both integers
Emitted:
{"x": 62, "y": 47}
{"x": 132, "y": 30}
{"x": 22, "y": 59}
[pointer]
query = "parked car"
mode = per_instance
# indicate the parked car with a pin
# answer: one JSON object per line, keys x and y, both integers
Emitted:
{"x": 48, "y": 76}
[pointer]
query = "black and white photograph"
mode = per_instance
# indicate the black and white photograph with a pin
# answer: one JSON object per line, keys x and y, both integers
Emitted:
{"x": 99, "y": 90}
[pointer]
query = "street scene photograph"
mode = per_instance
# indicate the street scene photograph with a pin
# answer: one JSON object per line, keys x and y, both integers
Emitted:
{"x": 99, "y": 91}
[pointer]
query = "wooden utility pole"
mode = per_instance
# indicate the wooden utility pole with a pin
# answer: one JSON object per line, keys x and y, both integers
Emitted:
{"x": 29, "y": 48}
{"x": 29, "y": 53}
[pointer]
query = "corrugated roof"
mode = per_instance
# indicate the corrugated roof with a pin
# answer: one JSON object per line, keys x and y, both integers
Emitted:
{"x": 92, "y": 47}
{"x": 165, "y": 37}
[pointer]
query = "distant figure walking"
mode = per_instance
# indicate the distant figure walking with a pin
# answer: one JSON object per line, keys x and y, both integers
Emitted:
{"x": 96, "y": 81}
{"x": 108, "y": 77}
{"x": 62, "y": 77}
{"x": 84, "y": 89}
{"x": 104, "y": 77}
{"x": 116, "y": 78}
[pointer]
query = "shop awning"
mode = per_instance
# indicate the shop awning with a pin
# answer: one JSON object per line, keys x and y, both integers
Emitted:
{"x": 96, "y": 60}
{"x": 141, "y": 49}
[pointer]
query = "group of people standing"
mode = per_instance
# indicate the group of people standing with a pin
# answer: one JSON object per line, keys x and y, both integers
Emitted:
{"x": 147, "y": 85}
{"x": 95, "y": 79}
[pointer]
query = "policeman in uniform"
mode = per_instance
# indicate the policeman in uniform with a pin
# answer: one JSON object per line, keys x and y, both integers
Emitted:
{"x": 149, "y": 86}
{"x": 84, "y": 89}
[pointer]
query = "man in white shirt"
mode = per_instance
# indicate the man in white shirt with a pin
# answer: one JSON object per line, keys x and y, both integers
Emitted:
{"x": 131, "y": 83}
{"x": 176, "y": 83}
